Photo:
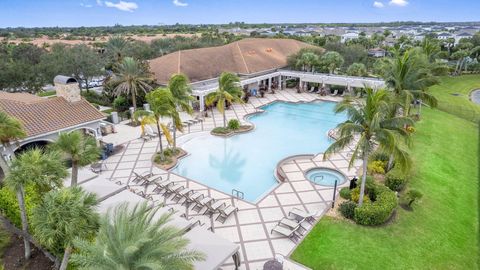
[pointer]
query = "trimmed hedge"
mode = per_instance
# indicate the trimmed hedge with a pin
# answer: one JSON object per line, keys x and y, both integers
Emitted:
{"x": 395, "y": 180}
{"x": 347, "y": 209}
{"x": 345, "y": 193}
{"x": 379, "y": 211}
{"x": 9, "y": 204}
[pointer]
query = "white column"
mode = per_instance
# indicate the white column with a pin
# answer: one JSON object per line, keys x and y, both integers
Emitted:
{"x": 280, "y": 86}
{"x": 202, "y": 103}
{"x": 300, "y": 83}
{"x": 270, "y": 83}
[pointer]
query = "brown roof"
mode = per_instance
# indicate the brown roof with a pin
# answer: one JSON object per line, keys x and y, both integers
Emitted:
{"x": 246, "y": 56}
{"x": 42, "y": 115}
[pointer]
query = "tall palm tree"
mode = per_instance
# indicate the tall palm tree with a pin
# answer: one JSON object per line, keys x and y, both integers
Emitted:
{"x": 64, "y": 215}
{"x": 80, "y": 148}
{"x": 409, "y": 75}
{"x": 182, "y": 94}
{"x": 43, "y": 169}
{"x": 11, "y": 129}
{"x": 131, "y": 78}
{"x": 229, "y": 91}
{"x": 307, "y": 61}
{"x": 369, "y": 122}
{"x": 146, "y": 243}
{"x": 162, "y": 104}
{"x": 116, "y": 47}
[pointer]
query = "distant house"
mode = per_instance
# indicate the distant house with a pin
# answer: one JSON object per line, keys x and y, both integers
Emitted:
{"x": 45, "y": 118}
{"x": 444, "y": 36}
{"x": 462, "y": 36}
{"x": 419, "y": 37}
{"x": 377, "y": 52}
{"x": 348, "y": 36}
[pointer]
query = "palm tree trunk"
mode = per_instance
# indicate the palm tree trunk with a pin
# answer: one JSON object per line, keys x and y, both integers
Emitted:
{"x": 160, "y": 139}
{"x": 390, "y": 162}
{"x": 224, "y": 119}
{"x": 4, "y": 166}
{"x": 364, "y": 179}
{"x": 134, "y": 101}
{"x": 66, "y": 256}
{"x": 23, "y": 215}
{"x": 174, "y": 136}
{"x": 74, "y": 174}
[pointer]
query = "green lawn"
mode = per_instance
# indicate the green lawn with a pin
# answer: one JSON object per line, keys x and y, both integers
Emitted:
{"x": 442, "y": 231}
{"x": 459, "y": 105}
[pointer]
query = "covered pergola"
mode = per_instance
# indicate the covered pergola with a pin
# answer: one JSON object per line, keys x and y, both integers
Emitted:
{"x": 203, "y": 88}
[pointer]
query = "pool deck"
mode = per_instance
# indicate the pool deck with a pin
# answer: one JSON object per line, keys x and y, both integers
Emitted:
{"x": 251, "y": 226}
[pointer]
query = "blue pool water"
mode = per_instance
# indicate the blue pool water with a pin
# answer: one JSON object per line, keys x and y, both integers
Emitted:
{"x": 246, "y": 162}
{"x": 325, "y": 177}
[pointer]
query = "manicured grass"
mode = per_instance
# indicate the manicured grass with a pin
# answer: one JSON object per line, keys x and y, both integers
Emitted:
{"x": 459, "y": 105}
{"x": 47, "y": 93}
{"x": 441, "y": 233}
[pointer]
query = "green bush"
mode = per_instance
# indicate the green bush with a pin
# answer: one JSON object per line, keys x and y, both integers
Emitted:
{"x": 410, "y": 197}
{"x": 377, "y": 166}
{"x": 47, "y": 93}
{"x": 345, "y": 193}
{"x": 347, "y": 209}
{"x": 93, "y": 97}
{"x": 9, "y": 204}
{"x": 120, "y": 104}
{"x": 395, "y": 180}
{"x": 378, "y": 211}
{"x": 221, "y": 130}
{"x": 234, "y": 124}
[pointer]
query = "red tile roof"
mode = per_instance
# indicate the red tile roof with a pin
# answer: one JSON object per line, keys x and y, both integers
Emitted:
{"x": 43, "y": 115}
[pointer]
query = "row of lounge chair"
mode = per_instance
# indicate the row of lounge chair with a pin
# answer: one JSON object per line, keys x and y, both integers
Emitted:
{"x": 291, "y": 226}
{"x": 151, "y": 134}
{"x": 177, "y": 192}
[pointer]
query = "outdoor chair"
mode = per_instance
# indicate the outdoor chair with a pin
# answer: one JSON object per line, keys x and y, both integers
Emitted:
{"x": 181, "y": 194}
{"x": 291, "y": 223}
{"x": 190, "y": 198}
{"x": 290, "y": 233}
{"x": 226, "y": 212}
{"x": 98, "y": 167}
{"x": 162, "y": 185}
{"x": 302, "y": 215}
{"x": 202, "y": 203}
{"x": 334, "y": 93}
{"x": 213, "y": 207}
{"x": 140, "y": 177}
{"x": 149, "y": 131}
{"x": 172, "y": 189}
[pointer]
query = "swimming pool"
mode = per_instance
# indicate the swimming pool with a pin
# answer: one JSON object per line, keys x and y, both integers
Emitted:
{"x": 246, "y": 162}
{"x": 325, "y": 177}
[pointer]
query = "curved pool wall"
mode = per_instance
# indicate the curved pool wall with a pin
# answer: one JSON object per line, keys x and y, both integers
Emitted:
{"x": 246, "y": 162}
{"x": 325, "y": 177}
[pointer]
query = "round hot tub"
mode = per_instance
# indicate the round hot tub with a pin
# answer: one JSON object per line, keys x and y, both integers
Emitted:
{"x": 325, "y": 177}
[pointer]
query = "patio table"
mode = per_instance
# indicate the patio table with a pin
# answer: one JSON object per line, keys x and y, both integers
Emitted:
{"x": 272, "y": 265}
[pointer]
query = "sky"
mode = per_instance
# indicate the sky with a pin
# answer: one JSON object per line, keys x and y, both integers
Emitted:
{"x": 68, "y": 13}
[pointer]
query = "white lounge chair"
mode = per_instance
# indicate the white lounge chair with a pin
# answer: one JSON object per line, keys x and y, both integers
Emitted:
{"x": 290, "y": 233}
{"x": 302, "y": 215}
{"x": 226, "y": 212}
{"x": 149, "y": 132}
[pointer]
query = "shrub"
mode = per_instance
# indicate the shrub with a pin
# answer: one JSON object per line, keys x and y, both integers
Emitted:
{"x": 9, "y": 204}
{"x": 120, "y": 104}
{"x": 380, "y": 155}
{"x": 379, "y": 211}
{"x": 345, "y": 193}
{"x": 377, "y": 166}
{"x": 355, "y": 195}
{"x": 221, "y": 130}
{"x": 234, "y": 124}
{"x": 411, "y": 197}
{"x": 347, "y": 209}
{"x": 395, "y": 180}
{"x": 93, "y": 97}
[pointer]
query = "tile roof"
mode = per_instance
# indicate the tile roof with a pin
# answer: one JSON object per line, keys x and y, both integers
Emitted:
{"x": 43, "y": 115}
{"x": 246, "y": 56}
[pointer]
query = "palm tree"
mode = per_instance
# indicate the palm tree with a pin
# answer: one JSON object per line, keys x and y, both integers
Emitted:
{"x": 144, "y": 118}
{"x": 162, "y": 104}
{"x": 11, "y": 129}
{"x": 146, "y": 243}
{"x": 228, "y": 91}
{"x": 308, "y": 61}
{"x": 369, "y": 122}
{"x": 116, "y": 48}
{"x": 43, "y": 169}
{"x": 409, "y": 75}
{"x": 182, "y": 94}
{"x": 131, "y": 78}
{"x": 80, "y": 148}
{"x": 64, "y": 215}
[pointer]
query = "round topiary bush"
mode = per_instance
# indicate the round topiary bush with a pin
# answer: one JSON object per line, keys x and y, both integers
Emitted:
{"x": 234, "y": 124}
{"x": 345, "y": 193}
{"x": 395, "y": 180}
{"x": 379, "y": 211}
{"x": 347, "y": 209}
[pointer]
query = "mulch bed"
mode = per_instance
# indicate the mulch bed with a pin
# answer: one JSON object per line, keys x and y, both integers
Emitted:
{"x": 242, "y": 129}
{"x": 174, "y": 160}
{"x": 13, "y": 257}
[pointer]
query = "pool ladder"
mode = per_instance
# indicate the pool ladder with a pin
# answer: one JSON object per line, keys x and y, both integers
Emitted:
{"x": 238, "y": 194}
{"x": 318, "y": 176}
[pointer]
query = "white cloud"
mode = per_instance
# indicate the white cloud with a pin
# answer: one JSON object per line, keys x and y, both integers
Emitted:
{"x": 378, "y": 4}
{"x": 99, "y": 2}
{"x": 85, "y": 5}
{"x": 399, "y": 3}
{"x": 124, "y": 6}
{"x": 179, "y": 4}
